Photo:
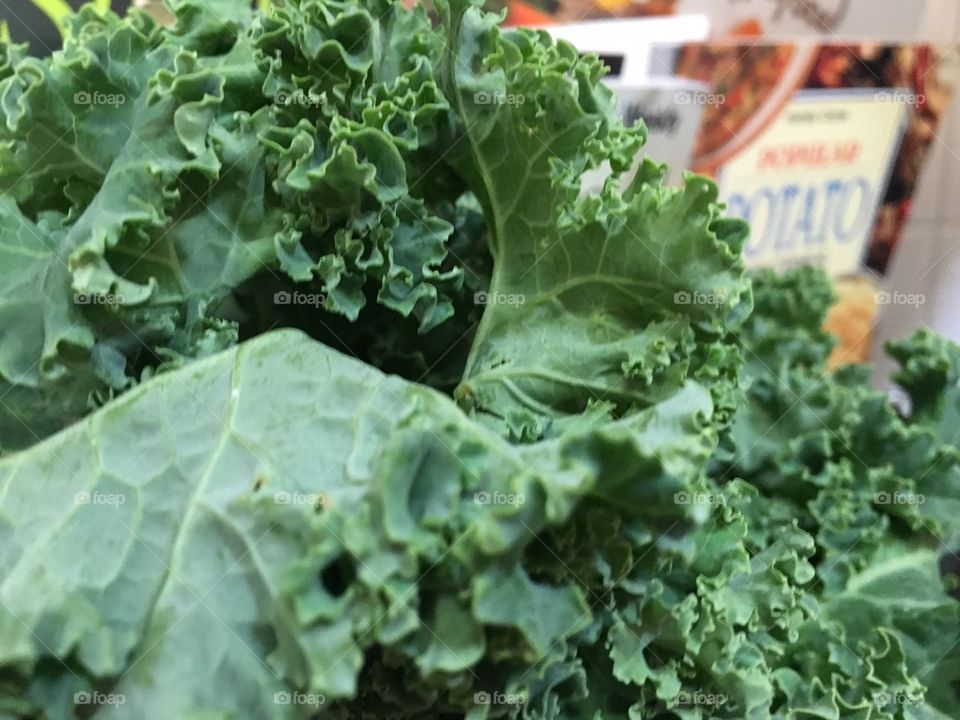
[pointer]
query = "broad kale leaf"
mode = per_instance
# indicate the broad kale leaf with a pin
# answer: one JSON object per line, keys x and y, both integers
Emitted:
{"x": 218, "y": 536}
{"x": 599, "y": 299}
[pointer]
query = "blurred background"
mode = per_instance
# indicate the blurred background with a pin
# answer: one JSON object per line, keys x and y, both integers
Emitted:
{"x": 831, "y": 125}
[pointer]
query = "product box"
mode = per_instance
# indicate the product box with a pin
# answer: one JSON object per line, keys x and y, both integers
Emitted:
{"x": 819, "y": 147}
{"x": 811, "y": 180}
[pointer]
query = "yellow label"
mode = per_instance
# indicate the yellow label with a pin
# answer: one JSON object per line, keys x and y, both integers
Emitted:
{"x": 810, "y": 183}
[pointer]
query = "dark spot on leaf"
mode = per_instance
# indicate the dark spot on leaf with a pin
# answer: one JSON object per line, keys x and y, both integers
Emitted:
{"x": 950, "y": 571}
{"x": 338, "y": 575}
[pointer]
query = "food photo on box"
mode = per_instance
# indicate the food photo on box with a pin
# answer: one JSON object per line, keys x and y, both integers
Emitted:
{"x": 372, "y": 360}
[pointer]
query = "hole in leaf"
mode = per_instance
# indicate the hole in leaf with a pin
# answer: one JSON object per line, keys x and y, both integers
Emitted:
{"x": 950, "y": 572}
{"x": 338, "y": 575}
